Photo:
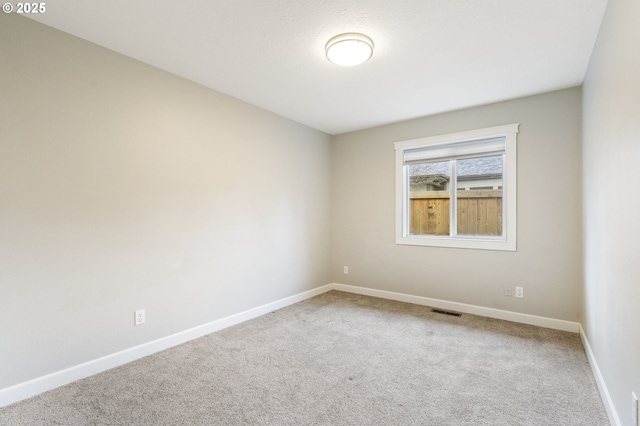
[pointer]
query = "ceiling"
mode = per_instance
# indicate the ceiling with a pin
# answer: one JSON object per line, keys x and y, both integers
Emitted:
{"x": 431, "y": 56}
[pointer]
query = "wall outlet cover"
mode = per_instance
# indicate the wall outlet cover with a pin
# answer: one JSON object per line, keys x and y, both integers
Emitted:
{"x": 139, "y": 317}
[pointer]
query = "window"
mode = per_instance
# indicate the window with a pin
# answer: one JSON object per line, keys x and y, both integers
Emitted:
{"x": 458, "y": 190}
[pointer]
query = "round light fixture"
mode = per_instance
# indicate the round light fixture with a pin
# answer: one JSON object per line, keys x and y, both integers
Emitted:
{"x": 349, "y": 49}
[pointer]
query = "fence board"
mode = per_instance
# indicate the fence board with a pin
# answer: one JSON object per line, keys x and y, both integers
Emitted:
{"x": 479, "y": 213}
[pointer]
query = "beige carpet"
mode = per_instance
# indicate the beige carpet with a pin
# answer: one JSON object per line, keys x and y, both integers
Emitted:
{"x": 341, "y": 359}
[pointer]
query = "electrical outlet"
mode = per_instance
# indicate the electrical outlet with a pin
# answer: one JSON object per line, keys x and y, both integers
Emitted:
{"x": 346, "y": 270}
{"x": 139, "y": 317}
{"x": 634, "y": 408}
{"x": 507, "y": 290}
{"x": 520, "y": 292}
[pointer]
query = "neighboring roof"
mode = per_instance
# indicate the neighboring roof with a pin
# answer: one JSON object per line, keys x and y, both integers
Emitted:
{"x": 483, "y": 166}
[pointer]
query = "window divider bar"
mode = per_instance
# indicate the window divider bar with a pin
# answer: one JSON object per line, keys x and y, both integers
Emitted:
{"x": 405, "y": 202}
{"x": 453, "y": 199}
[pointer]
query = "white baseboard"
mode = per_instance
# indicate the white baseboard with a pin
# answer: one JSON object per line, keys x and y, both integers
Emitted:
{"x": 51, "y": 381}
{"x": 555, "y": 324}
{"x": 602, "y": 386}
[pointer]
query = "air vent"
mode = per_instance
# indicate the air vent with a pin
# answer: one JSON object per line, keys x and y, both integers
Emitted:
{"x": 440, "y": 311}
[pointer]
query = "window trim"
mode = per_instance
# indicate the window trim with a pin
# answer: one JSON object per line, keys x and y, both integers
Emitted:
{"x": 508, "y": 241}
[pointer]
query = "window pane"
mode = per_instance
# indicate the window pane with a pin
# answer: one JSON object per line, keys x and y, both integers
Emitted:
{"x": 479, "y": 196}
{"x": 429, "y": 198}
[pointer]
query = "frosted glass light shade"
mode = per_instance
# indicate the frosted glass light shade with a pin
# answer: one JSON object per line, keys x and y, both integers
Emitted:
{"x": 349, "y": 49}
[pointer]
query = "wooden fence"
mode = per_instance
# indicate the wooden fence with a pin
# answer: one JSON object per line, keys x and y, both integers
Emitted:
{"x": 479, "y": 213}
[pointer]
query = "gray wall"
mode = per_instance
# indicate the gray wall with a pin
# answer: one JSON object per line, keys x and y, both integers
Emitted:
{"x": 548, "y": 259}
{"x": 611, "y": 203}
{"x": 124, "y": 187}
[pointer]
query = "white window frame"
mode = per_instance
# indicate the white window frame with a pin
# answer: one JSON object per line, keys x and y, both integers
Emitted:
{"x": 505, "y": 242}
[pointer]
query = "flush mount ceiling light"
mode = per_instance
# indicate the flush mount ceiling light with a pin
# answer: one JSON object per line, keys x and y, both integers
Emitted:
{"x": 349, "y": 49}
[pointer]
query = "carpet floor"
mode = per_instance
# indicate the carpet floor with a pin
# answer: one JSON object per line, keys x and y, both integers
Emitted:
{"x": 341, "y": 359}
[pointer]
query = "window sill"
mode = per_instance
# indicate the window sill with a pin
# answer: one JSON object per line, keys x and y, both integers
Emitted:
{"x": 463, "y": 243}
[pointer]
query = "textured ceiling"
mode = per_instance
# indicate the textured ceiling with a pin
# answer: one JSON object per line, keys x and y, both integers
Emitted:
{"x": 430, "y": 56}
